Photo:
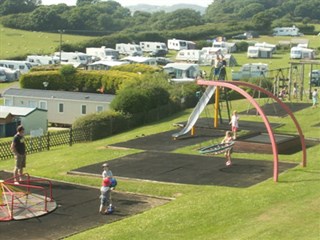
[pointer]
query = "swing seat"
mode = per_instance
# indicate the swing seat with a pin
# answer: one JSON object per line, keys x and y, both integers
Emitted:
{"x": 216, "y": 148}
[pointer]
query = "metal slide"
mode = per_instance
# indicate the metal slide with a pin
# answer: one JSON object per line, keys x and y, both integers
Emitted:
{"x": 197, "y": 111}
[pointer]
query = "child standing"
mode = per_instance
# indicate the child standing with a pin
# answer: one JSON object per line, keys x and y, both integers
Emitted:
{"x": 104, "y": 196}
{"x": 234, "y": 123}
{"x": 228, "y": 139}
{"x": 106, "y": 173}
{"x": 315, "y": 98}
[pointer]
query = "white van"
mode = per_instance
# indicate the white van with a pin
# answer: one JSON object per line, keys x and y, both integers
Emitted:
{"x": 103, "y": 53}
{"x": 42, "y": 60}
{"x": 152, "y": 46}
{"x": 302, "y": 53}
{"x": 129, "y": 49}
{"x": 22, "y": 66}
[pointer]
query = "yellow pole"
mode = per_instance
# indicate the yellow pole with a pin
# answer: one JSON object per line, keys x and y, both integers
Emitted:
{"x": 193, "y": 130}
{"x": 216, "y": 107}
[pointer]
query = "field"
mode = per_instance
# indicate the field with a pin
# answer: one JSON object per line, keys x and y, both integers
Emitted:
{"x": 15, "y": 43}
{"x": 285, "y": 210}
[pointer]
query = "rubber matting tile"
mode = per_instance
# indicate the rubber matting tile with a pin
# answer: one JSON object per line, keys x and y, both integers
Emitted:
{"x": 189, "y": 169}
{"x": 77, "y": 211}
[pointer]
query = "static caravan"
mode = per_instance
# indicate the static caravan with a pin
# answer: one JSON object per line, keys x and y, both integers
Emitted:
{"x": 182, "y": 72}
{"x": 286, "y": 31}
{"x": 103, "y": 53}
{"x": 251, "y": 70}
{"x": 63, "y": 107}
{"x": 189, "y": 55}
{"x": 177, "y": 44}
{"x": 74, "y": 58}
{"x": 153, "y": 46}
{"x": 129, "y": 49}
{"x": 22, "y": 66}
{"x": 302, "y": 53}
{"x": 259, "y": 52}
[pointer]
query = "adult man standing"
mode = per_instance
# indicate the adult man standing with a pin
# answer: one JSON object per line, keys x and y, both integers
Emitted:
{"x": 18, "y": 148}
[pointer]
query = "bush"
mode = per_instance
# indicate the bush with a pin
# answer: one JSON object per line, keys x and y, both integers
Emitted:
{"x": 104, "y": 124}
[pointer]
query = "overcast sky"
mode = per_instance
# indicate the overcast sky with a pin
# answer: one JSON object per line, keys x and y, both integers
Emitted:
{"x": 204, "y": 3}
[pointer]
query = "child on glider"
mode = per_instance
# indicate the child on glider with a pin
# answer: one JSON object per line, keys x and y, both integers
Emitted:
{"x": 228, "y": 139}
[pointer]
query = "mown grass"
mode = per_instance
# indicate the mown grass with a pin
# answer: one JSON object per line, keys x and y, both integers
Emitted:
{"x": 288, "y": 209}
{"x": 17, "y": 43}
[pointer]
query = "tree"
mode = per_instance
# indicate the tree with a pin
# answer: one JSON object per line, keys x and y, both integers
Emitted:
{"x": 18, "y": 6}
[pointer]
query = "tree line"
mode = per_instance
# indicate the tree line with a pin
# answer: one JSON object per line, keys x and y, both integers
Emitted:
{"x": 96, "y": 17}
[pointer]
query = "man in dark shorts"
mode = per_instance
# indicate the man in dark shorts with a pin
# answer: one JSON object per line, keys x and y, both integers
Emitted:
{"x": 18, "y": 148}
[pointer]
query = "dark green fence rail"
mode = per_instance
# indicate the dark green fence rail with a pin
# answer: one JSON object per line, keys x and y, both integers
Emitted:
{"x": 49, "y": 140}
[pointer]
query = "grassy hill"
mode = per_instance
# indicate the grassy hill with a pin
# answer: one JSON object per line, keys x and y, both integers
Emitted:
{"x": 15, "y": 43}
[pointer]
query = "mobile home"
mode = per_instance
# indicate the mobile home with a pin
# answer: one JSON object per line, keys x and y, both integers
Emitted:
{"x": 129, "y": 49}
{"x": 103, "y": 53}
{"x": 152, "y": 46}
{"x": 176, "y": 44}
{"x": 22, "y": 66}
{"x": 286, "y": 31}
{"x": 302, "y": 53}
{"x": 182, "y": 72}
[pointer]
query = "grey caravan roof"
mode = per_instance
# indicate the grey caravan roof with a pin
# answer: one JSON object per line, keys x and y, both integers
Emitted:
{"x": 61, "y": 95}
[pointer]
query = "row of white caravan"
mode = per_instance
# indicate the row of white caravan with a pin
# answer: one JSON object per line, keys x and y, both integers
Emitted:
{"x": 10, "y": 70}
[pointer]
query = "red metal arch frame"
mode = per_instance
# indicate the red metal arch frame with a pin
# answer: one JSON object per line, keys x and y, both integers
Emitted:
{"x": 233, "y": 85}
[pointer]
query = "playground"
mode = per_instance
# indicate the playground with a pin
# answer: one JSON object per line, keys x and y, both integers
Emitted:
{"x": 158, "y": 163}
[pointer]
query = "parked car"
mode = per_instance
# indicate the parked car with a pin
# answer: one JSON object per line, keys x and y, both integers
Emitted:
{"x": 163, "y": 61}
{"x": 158, "y": 53}
{"x": 315, "y": 78}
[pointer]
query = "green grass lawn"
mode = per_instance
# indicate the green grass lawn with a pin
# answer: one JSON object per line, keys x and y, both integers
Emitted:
{"x": 288, "y": 209}
{"x": 19, "y": 43}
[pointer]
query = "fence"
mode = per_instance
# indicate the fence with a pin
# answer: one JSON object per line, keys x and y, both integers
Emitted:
{"x": 50, "y": 139}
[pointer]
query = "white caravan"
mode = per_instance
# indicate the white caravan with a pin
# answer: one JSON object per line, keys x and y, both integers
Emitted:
{"x": 259, "y": 52}
{"x": 187, "y": 55}
{"x": 177, "y": 44}
{"x": 266, "y": 45}
{"x": 22, "y": 66}
{"x": 129, "y": 49}
{"x": 8, "y": 75}
{"x": 75, "y": 58}
{"x": 103, "y": 53}
{"x": 42, "y": 60}
{"x": 152, "y": 46}
{"x": 251, "y": 70}
{"x": 225, "y": 46}
{"x": 286, "y": 31}
{"x": 302, "y": 53}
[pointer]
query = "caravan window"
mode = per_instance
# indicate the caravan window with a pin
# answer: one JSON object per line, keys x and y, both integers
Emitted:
{"x": 21, "y": 67}
{"x": 11, "y": 66}
{"x": 99, "y": 108}
{"x": 32, "y": 104}
{"x": 83, "y": 109}
{"x": 60, "y": 108}
{"x": 183, "y": 43}
{"x": 43, "y": 105}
